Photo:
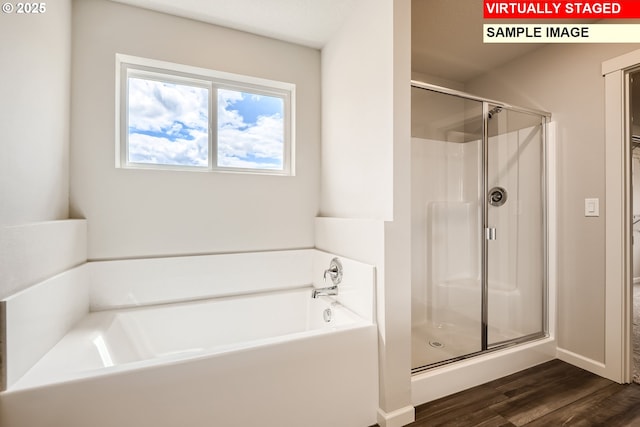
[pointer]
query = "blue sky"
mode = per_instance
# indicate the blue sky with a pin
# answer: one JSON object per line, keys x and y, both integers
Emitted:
{"x": 251, "y": 107}
{"x": 168, "y": 124}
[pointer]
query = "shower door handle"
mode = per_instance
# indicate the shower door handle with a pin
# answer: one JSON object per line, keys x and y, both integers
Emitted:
{"x": 490, "y": 233}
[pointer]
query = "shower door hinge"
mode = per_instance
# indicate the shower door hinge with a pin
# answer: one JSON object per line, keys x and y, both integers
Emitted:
{"x": 490, "y": 233}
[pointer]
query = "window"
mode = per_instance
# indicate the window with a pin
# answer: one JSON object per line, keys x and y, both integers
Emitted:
{"x": 173, "y": 116}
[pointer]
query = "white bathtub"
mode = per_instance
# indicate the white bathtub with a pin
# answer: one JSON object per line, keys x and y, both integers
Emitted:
{"x": 268, "y": 358}
{"x": 120, "y": 340}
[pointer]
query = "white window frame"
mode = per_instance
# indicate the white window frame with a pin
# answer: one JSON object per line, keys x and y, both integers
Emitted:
{"x": 127, "y": 65}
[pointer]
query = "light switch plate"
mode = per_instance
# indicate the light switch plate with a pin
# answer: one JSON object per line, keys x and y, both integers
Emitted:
{"x": 591, "y": 207}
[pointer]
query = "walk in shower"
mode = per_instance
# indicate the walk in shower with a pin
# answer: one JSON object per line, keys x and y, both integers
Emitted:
{"x": 478, "y": 226}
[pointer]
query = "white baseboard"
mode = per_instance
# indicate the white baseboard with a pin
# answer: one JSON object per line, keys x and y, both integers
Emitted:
{"x": 398, "y": 418}
{"x": 590, "y": 365}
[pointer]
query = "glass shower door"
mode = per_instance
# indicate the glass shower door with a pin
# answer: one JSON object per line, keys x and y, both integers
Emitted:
{"x": 478, "y": 226}
{"x": 446, "y": 208}
{"x": 515, "y": 227}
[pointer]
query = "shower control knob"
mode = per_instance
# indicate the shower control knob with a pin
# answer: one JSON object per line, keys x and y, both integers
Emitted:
{"x": 497, "y": 196}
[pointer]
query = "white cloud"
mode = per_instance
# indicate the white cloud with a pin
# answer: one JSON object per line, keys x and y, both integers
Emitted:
{"x": 168, "y": 123}
{"x": 262, "y": 142}
{"x": 256, "y": 145}
{"x": 157, "y": 150}
{"x": 227, "y": 117}
{"x": 155, "y": 105}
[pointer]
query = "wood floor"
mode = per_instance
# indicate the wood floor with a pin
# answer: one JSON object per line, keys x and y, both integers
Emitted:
{"x": 552, "y": 394}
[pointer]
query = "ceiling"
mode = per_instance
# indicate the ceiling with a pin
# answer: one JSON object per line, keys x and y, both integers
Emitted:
{"x": 446, "y": 41}
{"x": 306, "y": 22}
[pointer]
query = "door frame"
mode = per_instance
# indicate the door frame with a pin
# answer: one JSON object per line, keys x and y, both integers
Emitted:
{"x": 618, "y": 228}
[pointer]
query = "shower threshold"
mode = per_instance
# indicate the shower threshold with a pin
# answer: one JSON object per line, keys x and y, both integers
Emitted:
{"x": 494, "y": 347}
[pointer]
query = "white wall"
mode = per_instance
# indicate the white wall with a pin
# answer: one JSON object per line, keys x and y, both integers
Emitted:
{"x": 34, "y": 178}
{"x": 566, "y": 80}
{"x": 135, "y": 213}
{"x": 357, "y": 108}
{"x": 365, "y": 182}
{"x": 34, "y": 111}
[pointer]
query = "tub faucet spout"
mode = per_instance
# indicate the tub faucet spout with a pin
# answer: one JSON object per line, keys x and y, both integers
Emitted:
{"x": 330, "y": 290}
{"x": 335, "y": 274}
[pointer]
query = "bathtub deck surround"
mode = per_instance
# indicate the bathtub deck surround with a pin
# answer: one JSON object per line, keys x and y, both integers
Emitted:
{"x": 31, "y": 253}
{"x": 132, "y": 283}
{"x": 176, "y": 327}
{"x": 35, "y": 319}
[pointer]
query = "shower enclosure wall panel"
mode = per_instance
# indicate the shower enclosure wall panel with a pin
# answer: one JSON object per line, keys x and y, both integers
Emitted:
{"x": 446, "y": 263}
{"x": 445, "y": 214}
